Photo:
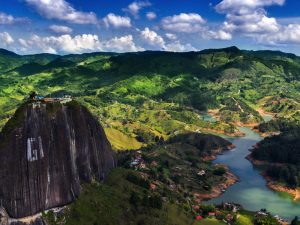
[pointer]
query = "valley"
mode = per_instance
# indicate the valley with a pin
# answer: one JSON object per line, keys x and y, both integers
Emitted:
{"x": 181, "y": 124}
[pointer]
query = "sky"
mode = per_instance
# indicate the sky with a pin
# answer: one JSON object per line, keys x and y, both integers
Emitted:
{"x": 79, "y": 26}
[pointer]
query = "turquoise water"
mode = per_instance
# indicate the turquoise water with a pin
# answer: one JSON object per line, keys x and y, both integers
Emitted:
{"x": 267, "y": 117}
{"x": 251, "y": 191}
{"x": 207, "y": 117}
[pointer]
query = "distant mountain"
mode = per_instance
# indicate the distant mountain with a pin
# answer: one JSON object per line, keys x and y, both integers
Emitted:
{"x": 5, "y": 52}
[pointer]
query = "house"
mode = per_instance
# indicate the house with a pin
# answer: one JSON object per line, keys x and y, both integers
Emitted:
{"x": 199, "y": 218}
{"x": 231, "y": 206}
{"x": 261, "y": 213}
{"x": 201, "y": 173}
{"x": 142, "y": 165}
{"x": 197, "y": 195}
{"x": 218, "y": 213}
{"x": 134, "y": 163}
{"x": 49, "y": 100}
{"x": 152, "y": 186}
{"x": 196, "y": 207}
{"x": 212, "y": 214}
{"x": 154, "y": 163}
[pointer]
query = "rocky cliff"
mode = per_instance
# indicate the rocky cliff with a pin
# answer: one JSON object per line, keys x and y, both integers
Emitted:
{"x": 46, "y": 151}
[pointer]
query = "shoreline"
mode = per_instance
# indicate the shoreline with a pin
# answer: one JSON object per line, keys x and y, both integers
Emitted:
{"x": 264, "y": 113}
{"x": 217, "y": 190}
{"x": 295, "y": 193}
{"x": 237, "y": 134}
{"x": 218, "y": 151}
{"x": 272, "y": 184}
{"x": 231, "y": 178}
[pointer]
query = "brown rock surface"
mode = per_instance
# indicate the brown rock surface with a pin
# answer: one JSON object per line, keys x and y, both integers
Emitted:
{"x": 46, "y": 151}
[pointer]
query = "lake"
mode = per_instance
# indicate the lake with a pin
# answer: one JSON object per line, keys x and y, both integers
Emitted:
{"x": 251, "y": 191}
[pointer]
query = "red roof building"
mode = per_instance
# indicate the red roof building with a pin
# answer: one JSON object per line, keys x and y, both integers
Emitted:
{"x": 199, "y": 218}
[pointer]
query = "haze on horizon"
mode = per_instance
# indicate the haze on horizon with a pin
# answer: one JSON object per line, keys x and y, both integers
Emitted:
{"x": 73, "y": 26}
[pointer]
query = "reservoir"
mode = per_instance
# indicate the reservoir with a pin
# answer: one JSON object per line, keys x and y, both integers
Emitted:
{"x": 251, "y": 191}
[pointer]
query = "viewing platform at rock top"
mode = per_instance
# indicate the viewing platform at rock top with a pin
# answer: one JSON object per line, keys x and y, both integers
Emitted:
{"x": 63, "y": 100}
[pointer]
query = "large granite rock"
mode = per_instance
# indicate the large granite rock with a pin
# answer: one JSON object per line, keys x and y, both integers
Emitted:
{"x": 46, "y": 151}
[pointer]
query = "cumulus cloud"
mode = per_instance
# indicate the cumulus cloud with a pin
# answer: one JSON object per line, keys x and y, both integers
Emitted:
{"x": 178, "y": 47}
{"x": 122, "y": 44}
{"x": 61, "y": 29}
{"x": 9, "y": 19}
{"x": 135, "y": 7}
{"x": 152, "y": 38}
{"x": 171, "y": 36}
{"x": 246, "y": 6}
{"x": 249, "y": 16}
{"x": 288, "y": 35}
{"x": 151, "y": 15}
{"x": 23, "y": 43}
{"x": 116, "y": 21}
{"x": 64, "y": 43}
{"x": 6, "y": 39}
{"x": 77, "y": 44}
{"x": 62, "y": 10}
{"x": 219, "y": 35}
{"x": 184, "y": 22}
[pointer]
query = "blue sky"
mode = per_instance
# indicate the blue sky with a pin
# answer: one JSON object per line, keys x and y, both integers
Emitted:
{"x": 76, "y": 26}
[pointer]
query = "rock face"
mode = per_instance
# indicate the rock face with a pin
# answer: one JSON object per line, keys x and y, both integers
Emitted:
{"x": 46, "y": 151}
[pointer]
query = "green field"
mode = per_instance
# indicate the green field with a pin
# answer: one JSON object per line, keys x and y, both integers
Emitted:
{"x": 210, "y": 222}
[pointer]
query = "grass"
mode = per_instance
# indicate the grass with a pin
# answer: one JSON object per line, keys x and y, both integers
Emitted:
{"x": 245, "y": 218}
{"x": 209, "y": 221}
{"x": 121, "y": 141}
{"x": 108, "y": 203}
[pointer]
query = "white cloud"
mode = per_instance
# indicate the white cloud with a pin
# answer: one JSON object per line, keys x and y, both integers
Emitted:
{"x": 151, "y": 15}
{"x": 6, "y": 39}
{"x": 135, "y": 7}
{"x": 116, "y": 21}
{"x": 9, "y": 19}
{"x": 178, "y": 47}
{"x": 77, "y": 44}
{"x": 61, "y": 29}
{"x": 184, "y": 22}
{"x": 245, "y": 6}
{"x": 64, "y": 43}
{"x": 219, "y": 35}
{"x": 23, "y": 42}
{"x": 249, "y": 16}
{"x": 152, "y": 38}
{"x": 122, "y": 44}
{"x": 171, "y": 36}
{"x": 62, "y": 10}
{"x": 254, "y": 22}
{"x": 288, "y": 35}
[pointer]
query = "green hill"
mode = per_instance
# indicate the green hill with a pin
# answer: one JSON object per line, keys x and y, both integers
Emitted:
{"x": 160, "y": 92}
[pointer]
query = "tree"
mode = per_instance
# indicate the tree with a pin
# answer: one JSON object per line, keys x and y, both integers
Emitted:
{"x": 156, "y": 201}
{"x": 295, "y": 221}
{"x": 266, "y": 220}
{"x": 134, "y": 198}
{"x": 32, "y": 95}
{"x": 219, "y": 171}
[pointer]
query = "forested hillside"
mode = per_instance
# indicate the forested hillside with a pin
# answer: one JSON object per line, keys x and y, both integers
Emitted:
{"x": 159, "y": 94}
{"x": 283, "y": 151}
